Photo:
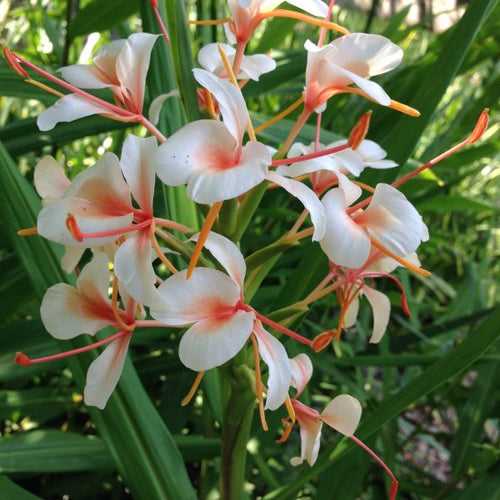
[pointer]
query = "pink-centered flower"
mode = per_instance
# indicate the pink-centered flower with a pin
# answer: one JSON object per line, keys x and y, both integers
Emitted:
{"x": 335, "y": 168}
{"x": 349, "y": 60}
{"x": 211, "y": 303}
{"x": 121, "y": 66}
{"x": 251, "y": 67}
{"x": 390, "y": 219}
{"x": 248, "y": 14}
{"x": 68, "y": 312}
{"x": 210, "y": 157}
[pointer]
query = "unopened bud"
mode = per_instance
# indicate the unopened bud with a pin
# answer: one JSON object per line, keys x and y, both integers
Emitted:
{"x": 360, "y": 130}
{"x": 13, "y": 62}
{"x": 322, "y": 341}
{"x": 22, "y": 359}
{"x": 480, "y": 128}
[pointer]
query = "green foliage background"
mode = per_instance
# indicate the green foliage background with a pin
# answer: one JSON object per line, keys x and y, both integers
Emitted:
{"x": 429, "y": 389}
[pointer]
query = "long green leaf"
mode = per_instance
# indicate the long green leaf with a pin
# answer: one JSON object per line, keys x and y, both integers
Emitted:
{"x": 141, "y": 445}
{"x": 12, "y": 491}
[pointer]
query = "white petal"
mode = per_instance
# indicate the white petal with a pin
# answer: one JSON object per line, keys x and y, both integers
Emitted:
{"x": 308, "y": 198}
{"x": 203, "y": 145}
{"x": 50, "y": 179}
{"x": 228, "y": 255}
{"x": 67, "y": 109}
{"x": 213, "y": 342}
{"x": 132, "y": 65}
{"x": 394, "y": 221}
{"x": 231, "y": 103}
{"x": 343, "y": 414}
{"x": 302, "y": 370}
{"x": 310, "y": 438}
{"x": 345, "y": 243}
{"x": 207, "y": 294}
{"x": 212, "y": 185}
{"x": 105, "y": 371}
{"x": 105, "y": 60}
{"x": 351, "y": 315}
{"x": 371, "y": 151}
{"x": 252, "y": 67}
{"x": 381, "y": 307}
{"x": 209, "y": 56}
{"x": 84, "y": 76}
{"x": 66, "y": 313}
{"x": 280, "y": 375}
{"x": 138, "y": 169}
{"x": 71, "y": 258}
{"x": 134, "y": 269}
{"x": 157, "y": 104}
{"x": 351, "y": 191}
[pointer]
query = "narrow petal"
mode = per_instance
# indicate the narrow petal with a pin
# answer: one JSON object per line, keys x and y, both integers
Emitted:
{"x": 132, "y": 66}
{"x": 212, "y": 185}
{"x": 310, "y": 435}
{"x": 394, "y": 221}
{"x": 351, "y": 315}
{"x": 228, "y": 255}
{"x": 308, "y": 198}
{"x": 157, "y": 105}
{"x": 71, "y": 258}
{"x": 200, "y": 146}
{"x": 67, "y": 109}
{"x": 213, "y": 342}
{"x": 207, "y": 294}
{"x": 345, "y": 243}
{"x": 381, "y": 307}
{"x": 351, "y": 191}
{"x": 93, "y": 281}
{"x": 280, "y": 375}
{"x": 138, "y": 169}
{"x": 50, "y": 179}
{"x": 209, "y": 57}
{"x": 343, "y": 414}
{"x": 231, "y": 103}
{"x": 133, "y": 267}
{"x": 252, "y": 67}
{"x": 104, "y": 373}
{"x": 84, "y": 76}
{"x": 302, "y": 370}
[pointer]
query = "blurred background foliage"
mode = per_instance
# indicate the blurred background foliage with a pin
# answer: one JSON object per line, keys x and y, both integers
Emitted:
{"x": 429, "y": 390}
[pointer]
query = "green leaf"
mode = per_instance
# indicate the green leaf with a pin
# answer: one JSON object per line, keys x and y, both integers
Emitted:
{"x": 141, "y": 445}
{"x": 454, "y": 203}
{"x": 10, "y": 490}
{"x": 449, "y": 366}
{"x": 99, "y": 16}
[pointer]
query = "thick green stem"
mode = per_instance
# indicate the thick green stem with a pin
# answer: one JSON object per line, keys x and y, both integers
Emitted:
{"x": 236, "y": 433}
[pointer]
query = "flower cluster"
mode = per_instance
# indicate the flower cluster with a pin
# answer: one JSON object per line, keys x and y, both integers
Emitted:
{"x": 366, "y": 232}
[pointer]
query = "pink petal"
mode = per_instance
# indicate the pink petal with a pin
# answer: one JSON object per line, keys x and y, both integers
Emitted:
{"x": 50, "y": 179}
{"x": 381, "y": 307}
{"x": 302, "y": 370}
{"x": 343, "y": 414}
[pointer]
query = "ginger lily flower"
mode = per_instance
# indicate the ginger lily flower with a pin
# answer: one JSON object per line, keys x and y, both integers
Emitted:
{"x": 251, "y": 67}
{"x": 209, "y": 155}
{"x": 121, "y": 66}
{"x": 211, "y": 303}
{"x": 68, "y": 312}
{"x": 350, "y": 59}
{"x": 389, "y": 223}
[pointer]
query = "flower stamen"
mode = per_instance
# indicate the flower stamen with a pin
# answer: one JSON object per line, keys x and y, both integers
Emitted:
{"x": 29, "y": 231}
{"x": 259, "y": 386}
{"x": 196, "y": 383}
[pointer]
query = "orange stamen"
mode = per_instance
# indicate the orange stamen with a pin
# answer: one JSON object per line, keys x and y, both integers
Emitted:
{"x": 287, "y": 429}
{"x": 359, "y": 131}
{"x": 364, "y": 186}
{"x": 305, "y": 18}
{"x": 197, "y": 381}
{"x": 160, "y": 254}
{"x": 322, "y": 341}
{"x": 44, "y": 87}
{"x": 259, "y": 386}
{"x": 29, "y": 231}
{"x": 404, "y": 262}
{"x": 202, "y": 238}
{"x": 116, "y": 311}
{"x": 209, "y": 22}
{"x": 280, "y": 116}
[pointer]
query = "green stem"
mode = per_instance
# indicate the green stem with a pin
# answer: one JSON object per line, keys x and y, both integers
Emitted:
{"x": 236, "y": 433}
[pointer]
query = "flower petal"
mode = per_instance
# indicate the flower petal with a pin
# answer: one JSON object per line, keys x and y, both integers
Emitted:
{"x": 302, "y": 370}
{"x": 343, "y": 414}
{"x": 228, "y": 255}
{"x": 208, "y": 293}
{"x": 213, "y": 342}
{"x": 132, "y": 66}
{"x": 351, "y": 190}
{"x": 67, "y": 109}
{"x": 212, "y": 185}
{"x": 209, "y": 57}
{"x": 71, "y": 258}
{"x": 105, "y": 371}
{"x": 310, "y": 435}
{"x": 203, "y": 145}
{"x": 84, "y": 76}
{"x": 345, "y": 243}
{"x": 133, "y": 267}
{"x": 394, "y": 221}
{"x": 280, "y": 375}
{"x": 308, "y": 198}
{"x": 252, "y": 67}
{"x": 231, "y": 103}
{"x": 381, "y": 307}
{"x": 138, "y": 169}
{"x": 50, "y": 179}
{"x": 156, "y": 105}
{"x": 351, "y": 315}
